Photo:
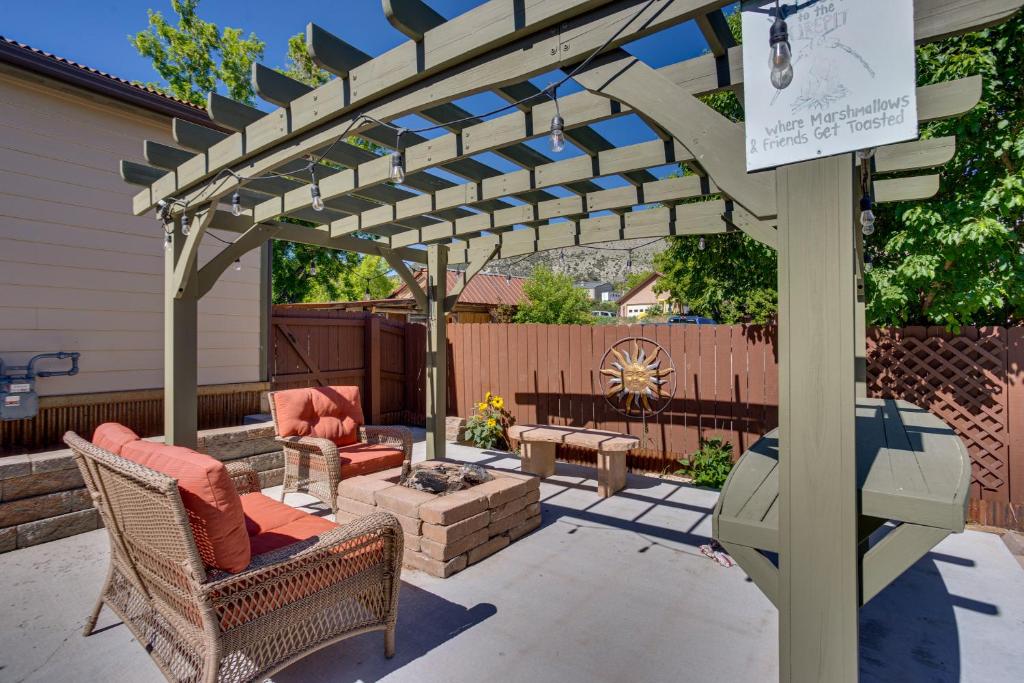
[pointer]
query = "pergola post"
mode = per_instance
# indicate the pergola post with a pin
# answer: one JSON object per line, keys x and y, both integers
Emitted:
{"x": 818, "y": 594}
{"x": 437, "y": 349}
{"x": 181, "y": 375}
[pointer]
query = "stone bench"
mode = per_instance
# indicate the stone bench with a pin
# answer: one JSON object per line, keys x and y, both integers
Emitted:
{"x": 541, "y": 441}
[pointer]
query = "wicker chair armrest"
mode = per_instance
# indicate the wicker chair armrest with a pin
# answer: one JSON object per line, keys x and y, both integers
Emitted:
{"x": 287, "y": 573}
{"x": 243, "y": 476}
{"x": 310, "y": 444}
{"x": 393, "y": 435}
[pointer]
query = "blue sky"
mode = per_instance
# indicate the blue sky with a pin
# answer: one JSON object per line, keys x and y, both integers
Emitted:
{"x": 95, "y": 33}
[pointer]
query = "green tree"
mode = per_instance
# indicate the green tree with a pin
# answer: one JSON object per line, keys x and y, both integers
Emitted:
{"x": 195, "y": 56}
{"x": 956, "y": 259}
{"x": 552, "y": 298}
{"x": 372, "y": 276}
{"x": 731, "y": 280}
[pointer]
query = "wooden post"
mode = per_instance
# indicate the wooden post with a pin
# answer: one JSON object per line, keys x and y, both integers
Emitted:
{"x": 818, "y": 557}
{"x": 437, "y": 349}
{"x": 181, "y": 377}
{"x": 371, "y": 354}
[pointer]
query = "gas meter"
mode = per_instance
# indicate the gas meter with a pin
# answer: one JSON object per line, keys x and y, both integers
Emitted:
{"x": 18, "y": 398}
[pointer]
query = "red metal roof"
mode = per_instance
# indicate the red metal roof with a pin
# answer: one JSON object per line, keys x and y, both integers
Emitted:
{"x": 487, "y": 289}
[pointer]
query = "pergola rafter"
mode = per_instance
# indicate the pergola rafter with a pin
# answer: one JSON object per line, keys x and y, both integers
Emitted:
{"x": 805, "y": 211}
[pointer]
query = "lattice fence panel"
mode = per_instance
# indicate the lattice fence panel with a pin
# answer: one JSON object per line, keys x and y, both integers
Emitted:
{"x": 962, "y": 379}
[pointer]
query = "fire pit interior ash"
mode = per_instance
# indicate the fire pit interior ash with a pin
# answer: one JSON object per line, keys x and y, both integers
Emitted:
{"x": 443, "y": 479}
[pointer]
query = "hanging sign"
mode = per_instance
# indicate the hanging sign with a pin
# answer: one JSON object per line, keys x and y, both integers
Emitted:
{"x": 853, "y": 84}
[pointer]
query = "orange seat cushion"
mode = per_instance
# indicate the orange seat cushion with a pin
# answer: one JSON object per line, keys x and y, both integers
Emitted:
{"x": 272, "y": 524}
{"x": 333, "y": 413}
{"x": 211, "y": 501}
{"x": 111, "y": 436}
{"x": 366, "y": 458}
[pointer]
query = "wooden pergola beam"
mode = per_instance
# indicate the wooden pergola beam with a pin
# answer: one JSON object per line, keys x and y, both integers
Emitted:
{"x": 312, "y": 125}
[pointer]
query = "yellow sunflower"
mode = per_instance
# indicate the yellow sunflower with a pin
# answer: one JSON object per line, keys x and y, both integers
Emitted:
{"x": 492, "y": 422}
{"x": 498, "y": 402}
{"x": 481, "y": 407}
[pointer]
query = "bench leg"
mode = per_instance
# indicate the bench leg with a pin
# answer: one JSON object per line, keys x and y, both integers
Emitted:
{"x": 539, "y": 458}
{"x": 611, "y": 473}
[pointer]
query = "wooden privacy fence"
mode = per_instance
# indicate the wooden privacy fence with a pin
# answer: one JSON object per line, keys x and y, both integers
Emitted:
{"x": 727, "y": 386}
{"x": 384, "y": 358}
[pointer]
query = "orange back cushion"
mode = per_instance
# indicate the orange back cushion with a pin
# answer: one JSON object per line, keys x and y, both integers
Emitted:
{"x": 211, "y": 501}
{"x": 111, "y": 436}
{"x": 333, "y": 413}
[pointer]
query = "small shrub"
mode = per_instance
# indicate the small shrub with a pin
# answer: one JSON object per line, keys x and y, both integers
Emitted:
{"x": 488, "y": 427}
{"x": 710, "y": 465}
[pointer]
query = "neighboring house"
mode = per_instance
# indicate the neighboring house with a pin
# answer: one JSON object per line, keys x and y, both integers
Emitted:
{"x": 478, "y": 303}
{"x": 642, "y": 298}
{"x": 78, "y": 271}
{"x": 610, "y": 297}
{"x": 596, "y": 290}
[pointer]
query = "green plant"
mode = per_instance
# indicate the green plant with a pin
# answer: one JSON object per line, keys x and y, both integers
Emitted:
{"x": 553, "y": 299}
{"x": 710, "y": 464}
{"x": 488, "y": 427}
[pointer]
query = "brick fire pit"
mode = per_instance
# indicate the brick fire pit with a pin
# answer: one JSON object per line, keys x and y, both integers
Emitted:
{"x": 445, "y": 534}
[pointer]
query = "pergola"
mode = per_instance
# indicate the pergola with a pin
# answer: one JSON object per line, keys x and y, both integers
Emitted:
{"x": 806, "y": 211}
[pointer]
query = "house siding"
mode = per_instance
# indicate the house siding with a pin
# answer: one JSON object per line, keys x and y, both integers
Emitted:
{"x": 79, "y": 272}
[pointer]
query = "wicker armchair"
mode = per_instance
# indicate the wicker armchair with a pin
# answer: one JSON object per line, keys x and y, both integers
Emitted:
{"x": 315, "y": 465}
{"x": 205, "y": 625}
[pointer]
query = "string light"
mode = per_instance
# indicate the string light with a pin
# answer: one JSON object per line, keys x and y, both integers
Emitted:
{"x": 185, "y": 230}
{"x": 867, "y": 216}
{"x": 168, "y": 241}
{"x": 312, "y": 268}
{"x": 398, "y": 159}
{"x": 314, "y": 190}
{"x": 397, "y": 167}
{"x": 397, "y": 174}
{"x": 238, "y": 265}
{"x": 508, "y": 278}
{"x": 236, "y": 204}
{"x": 702, "y": 244}
{"x": 869, "y": 263}
{"x": 781, "y": 55}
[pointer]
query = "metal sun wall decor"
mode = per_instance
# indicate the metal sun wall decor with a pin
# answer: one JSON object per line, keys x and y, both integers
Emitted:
{"x": 638, "y": 376}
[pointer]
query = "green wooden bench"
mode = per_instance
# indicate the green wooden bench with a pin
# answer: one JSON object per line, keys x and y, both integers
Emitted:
{"x": 912, "y": 469}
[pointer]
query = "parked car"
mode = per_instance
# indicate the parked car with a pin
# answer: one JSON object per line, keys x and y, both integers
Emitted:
{"x": 691, "y": 320}
{"x": 602, "y": 314}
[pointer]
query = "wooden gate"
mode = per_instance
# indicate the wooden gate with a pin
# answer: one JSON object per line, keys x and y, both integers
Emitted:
{"x": 384, "y": 358}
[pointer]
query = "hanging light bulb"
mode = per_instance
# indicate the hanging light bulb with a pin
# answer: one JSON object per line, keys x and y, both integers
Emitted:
{"x": 236, "y": 204}
{"x": 238, "y": 265}
{"x": 781, "y": 56}
{"x": 162, "y": 209}
{"x": 508, "y": 278}
{"x": 314, "y": 190}
{"x": 312, "y": 268}
{"x": 702, "y": 244}
{"x": 868, "y": 263}
{"x": 867, "y": 216}
{"x": 168, "y": 241}
{"x": 397, "y": 167}
{"x": 184, "y": 225}
{"x": 557, "y": 134}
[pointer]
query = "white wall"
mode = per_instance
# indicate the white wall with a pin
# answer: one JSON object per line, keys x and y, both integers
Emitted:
{"x": 79, "y": 272}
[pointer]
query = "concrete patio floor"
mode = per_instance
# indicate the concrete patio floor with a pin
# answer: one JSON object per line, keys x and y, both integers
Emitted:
{"x": 605, "y": 590}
